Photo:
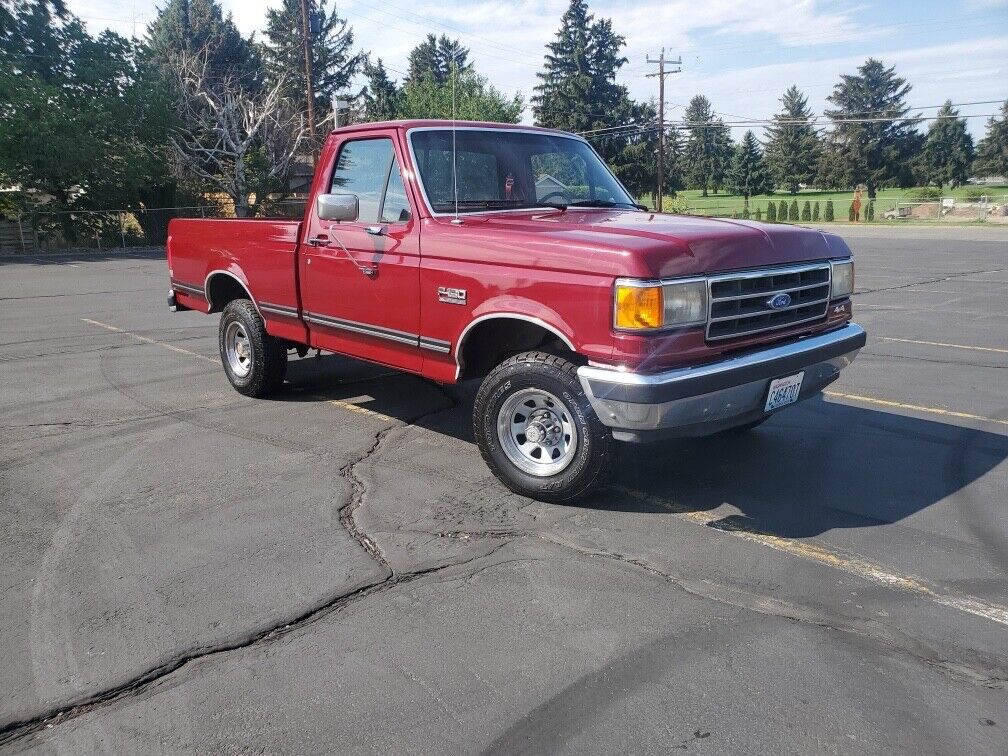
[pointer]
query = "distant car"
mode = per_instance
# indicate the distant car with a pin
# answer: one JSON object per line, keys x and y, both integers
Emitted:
{"x": 440, "y": 250}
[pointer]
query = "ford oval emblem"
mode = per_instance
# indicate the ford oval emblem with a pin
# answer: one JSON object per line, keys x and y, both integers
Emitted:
{"x": 779, "y": 302}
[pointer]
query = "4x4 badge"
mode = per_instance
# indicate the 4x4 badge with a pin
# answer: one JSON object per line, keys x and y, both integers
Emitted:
{"x": 451, "y": 296}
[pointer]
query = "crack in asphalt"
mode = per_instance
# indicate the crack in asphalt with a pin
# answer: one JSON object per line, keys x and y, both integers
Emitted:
{"x": 21, "y": 730}
{"x": 931, "y": 281}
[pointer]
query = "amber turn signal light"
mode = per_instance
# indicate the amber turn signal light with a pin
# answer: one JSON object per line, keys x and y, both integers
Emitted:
{"x": 639, "y": 307}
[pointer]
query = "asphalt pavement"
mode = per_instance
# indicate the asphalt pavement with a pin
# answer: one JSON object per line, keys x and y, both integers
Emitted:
{"x": 185, "y": 569}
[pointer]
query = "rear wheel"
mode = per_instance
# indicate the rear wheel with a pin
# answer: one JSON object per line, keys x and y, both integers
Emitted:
{"x": 254, "y": 361}
{"x": 537, "y": 430}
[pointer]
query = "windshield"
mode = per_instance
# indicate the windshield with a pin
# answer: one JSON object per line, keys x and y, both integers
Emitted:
{"x": 501, "y": 169}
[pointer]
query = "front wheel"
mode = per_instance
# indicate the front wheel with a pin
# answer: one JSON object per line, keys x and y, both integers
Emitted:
{"x": 537, "y": 430}
{"x": 254, "y": 361}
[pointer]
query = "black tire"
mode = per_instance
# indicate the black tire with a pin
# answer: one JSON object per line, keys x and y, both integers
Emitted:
{"x": 267, "y": 364}
{"x": 593, "y": 451}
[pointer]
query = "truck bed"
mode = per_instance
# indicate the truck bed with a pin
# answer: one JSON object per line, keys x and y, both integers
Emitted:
{"x": 260, "y": 253}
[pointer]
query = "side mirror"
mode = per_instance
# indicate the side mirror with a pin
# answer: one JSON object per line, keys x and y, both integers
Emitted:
{"x": 337, "y": 207}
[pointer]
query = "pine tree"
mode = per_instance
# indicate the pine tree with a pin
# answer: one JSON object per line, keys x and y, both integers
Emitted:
{"x": 948, "y": 149}
{"x": 759, "y": 213}
{"x": 852, "y": 213}
{"x": 829, "y": 216}
{"x": 707, "y": 149}
{"x": 870, "y": 211}
{"x": 748, "y": 175}
{"x": 189, "y": 26}
{"x": 992, "y": 152}
{"x": 815, "y": 211}
{"x": 334, "y": 63}
{"x": 782, "y": 211}
{"x": 806, "y": 213}
{"x": 435, "y": 56}
{"x": 793, "y": 211}
{"x": 771, "y": 213}
{"x": 792, "y": 150}
{"x": 381, "y": 96}
{"x": 876, "y": 153}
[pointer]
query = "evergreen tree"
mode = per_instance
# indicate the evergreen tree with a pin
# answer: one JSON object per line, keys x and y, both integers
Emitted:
{"x": 870, "y": 211}
{"x": 380, "y": 96}
{"x": 188, "y": 26}
{"x": 992, "y": 152}
{"x": 792, "y": 150}
{"x": 806, "y": 213}
{"x": 748, "y": 175}
{"x": 333, "y": 62}
{"x": 475, "y": 100}
{"x": 771, "y": 213}
{"x": 793, "y": 211}
{"x": 948, "y": 149}
{"x": 876, "y": 153}
{"x": 435, "y": 56}
{"x": 829, "y": 216}
{"x": 815, "y": 211}
{"x": 704, "y": 156}
{"x": 782, "y": 211}
{"x": 577, "y": 89}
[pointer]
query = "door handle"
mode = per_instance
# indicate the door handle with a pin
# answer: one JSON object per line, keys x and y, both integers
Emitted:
{"x": 375, "y": 230}
{"x": 319, "y": 241}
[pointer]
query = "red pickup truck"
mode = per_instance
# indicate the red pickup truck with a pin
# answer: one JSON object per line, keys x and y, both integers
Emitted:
{"x": 513, "y": 255}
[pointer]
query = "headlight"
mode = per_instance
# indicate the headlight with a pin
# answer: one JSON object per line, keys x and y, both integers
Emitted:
{"x": 685, "y": 302}
{"x": 843, "y": 279}
{"x": 645, "y": 305}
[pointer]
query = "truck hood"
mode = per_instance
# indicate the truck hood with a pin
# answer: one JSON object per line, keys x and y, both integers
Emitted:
{"x": 652, "y": 245}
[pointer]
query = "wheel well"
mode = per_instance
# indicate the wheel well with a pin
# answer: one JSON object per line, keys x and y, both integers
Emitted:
{"x": 492, "y": 341}
{"x": 223, "y": 288}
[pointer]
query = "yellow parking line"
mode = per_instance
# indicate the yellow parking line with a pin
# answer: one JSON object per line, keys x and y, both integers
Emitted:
{"x": 915, "y": 407}
{"x": 943, "y": 344}
{"x": 852, "y": 565}
{"x": 147, "y": 340}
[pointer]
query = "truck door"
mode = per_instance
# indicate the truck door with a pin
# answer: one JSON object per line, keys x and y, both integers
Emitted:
{"x": 360, "y": 279}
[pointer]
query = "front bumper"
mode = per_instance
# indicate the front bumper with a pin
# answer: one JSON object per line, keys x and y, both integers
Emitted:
{"x": 706, "y": 399}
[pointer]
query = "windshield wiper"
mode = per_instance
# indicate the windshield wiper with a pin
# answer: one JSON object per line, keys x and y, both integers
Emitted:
{"x": 606, "y": 203}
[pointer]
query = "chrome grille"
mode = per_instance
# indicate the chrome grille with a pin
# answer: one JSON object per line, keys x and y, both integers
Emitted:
{"x": 738, "y": 303}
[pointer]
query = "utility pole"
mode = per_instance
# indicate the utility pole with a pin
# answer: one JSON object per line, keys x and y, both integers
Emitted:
{"x": 309, "y": 92}
{"x": 661, "y": 73}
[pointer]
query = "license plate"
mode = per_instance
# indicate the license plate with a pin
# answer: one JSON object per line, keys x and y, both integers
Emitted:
{"x": 783, "y": 391}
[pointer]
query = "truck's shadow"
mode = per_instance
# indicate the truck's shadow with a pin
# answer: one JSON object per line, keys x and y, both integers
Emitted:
{"x": 816, "y": 467}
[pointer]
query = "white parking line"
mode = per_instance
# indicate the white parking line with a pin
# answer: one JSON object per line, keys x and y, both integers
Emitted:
{"x": 943, "y": 344}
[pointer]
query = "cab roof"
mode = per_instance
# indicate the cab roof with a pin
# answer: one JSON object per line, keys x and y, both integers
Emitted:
{"x": 442, "y": 123}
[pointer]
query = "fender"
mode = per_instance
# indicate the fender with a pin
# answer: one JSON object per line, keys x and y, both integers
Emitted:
{"x": 241, "y": 282}
{"x": 515, "y": 308}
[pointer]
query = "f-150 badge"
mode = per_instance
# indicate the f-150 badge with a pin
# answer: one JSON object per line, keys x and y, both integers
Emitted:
{"x": 451, "y": 296}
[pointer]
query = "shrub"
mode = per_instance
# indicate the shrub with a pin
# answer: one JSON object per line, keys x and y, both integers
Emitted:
{"x": 794, "y": 211}
{"x": 745, "y": 212}
{"x": 870, "y": 211}
{"x": 771, "y": 213}
{"x": 782, "y": 211}
{"x": 815, "y": 211}
{"x": 759, "y": 213}
{"x": 806, "y": 211}
{"x": 852, "y": 213}
{"x": 829, "y": 217}
{"x": 926, "y": 193}
{"x": 975, "y": 193}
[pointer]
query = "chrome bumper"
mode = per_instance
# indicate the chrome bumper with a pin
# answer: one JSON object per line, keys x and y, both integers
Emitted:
{"x": 706, "y": 399}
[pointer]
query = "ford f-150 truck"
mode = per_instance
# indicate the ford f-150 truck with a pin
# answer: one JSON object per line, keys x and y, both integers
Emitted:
{"x": 513, "y": 255}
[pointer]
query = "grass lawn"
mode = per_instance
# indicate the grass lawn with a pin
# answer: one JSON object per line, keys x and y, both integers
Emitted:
{"x": 726, "y": 204}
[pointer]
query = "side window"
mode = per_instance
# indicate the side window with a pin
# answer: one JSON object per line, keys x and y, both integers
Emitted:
{"x": 396, "y": 208}
{"x": 368, "y": 168}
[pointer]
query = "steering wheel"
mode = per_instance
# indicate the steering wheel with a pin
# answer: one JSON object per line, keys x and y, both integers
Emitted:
{"x": 562, "y": 195}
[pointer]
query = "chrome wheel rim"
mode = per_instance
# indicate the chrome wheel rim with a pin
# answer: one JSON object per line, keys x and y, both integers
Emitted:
{"x": 537, "y": 432}
{"x": 238, "y": 348}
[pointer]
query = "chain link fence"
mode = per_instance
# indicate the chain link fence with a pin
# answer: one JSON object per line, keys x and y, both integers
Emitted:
{"x": 42, "y": 230}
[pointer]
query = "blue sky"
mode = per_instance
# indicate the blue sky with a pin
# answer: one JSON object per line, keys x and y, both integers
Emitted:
{"x": 742, "y": 55}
